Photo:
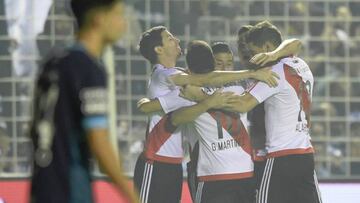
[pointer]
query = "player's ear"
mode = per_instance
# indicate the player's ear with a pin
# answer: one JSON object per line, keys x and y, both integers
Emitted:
{"x": 97, "y": 18}
{"x": 158, "y": 49}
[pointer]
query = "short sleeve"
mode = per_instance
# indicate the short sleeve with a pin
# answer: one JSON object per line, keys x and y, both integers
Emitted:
{"x": 164, "y": 77}
{"x": 261, "y": 91}
{"x": 172, "y": 101}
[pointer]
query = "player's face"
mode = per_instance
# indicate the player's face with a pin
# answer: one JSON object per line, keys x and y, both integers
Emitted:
{"x": 114, "y": 24}
{"x": 170, "y": 45}
{"x": 256, "y": 49}
{"x": 224, "y": 61}
{"x": 244, "y": 52}
{"x": 244, "y": 55}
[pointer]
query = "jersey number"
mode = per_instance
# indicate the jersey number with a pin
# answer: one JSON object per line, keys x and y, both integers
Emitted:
{"x": 303, "y": 91}
{"x": 230, "y": 123}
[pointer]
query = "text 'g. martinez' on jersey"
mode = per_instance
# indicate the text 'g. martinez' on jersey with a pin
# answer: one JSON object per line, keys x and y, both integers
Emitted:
{"x": 224, "y": 145}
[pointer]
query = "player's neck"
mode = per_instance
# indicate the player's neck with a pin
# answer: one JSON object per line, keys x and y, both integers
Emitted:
{"x": 166, "y": 62}
{"x": 92, "y": 42}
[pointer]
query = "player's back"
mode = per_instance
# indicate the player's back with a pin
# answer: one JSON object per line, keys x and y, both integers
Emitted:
{"x": 224, "y": 144}
{"x": 287, "y": 113}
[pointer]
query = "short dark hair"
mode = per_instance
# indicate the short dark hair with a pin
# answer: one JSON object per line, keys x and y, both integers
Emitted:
{"x": 221, "y": 47}
{"x": 148, "y": 41}
{"x": 81, "y": 8}
{"x": 199, "y": 57}
{"x": 243, "y": 30}
{"x": 241, "y": 41}
{"x": 264, "y": 32}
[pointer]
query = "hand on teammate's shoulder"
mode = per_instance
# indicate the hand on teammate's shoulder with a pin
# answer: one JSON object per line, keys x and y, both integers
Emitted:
{"x": 267, "y": 76}
{"x": 264, "y": 58}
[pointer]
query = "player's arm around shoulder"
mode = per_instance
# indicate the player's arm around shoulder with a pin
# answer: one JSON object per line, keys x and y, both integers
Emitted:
{"x": 164, "y": 103}
{"x": 220, "y": 78}
{"x": 258, "y": 92}
{"x": 243, "y": 103}
{"x": 215, "y": 78}
{"x": 218, "y": 100}
{"x": 286, "y": 48}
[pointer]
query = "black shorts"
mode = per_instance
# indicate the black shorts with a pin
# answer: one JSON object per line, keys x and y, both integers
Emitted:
{"x": 192, "y": 179}
{"x": 226, "y": 191}
{"x": 259, "y": 167}
{"x": 289, "y": 178}
{"x": 191, "y": 168}
{"x": 158, "y": 182}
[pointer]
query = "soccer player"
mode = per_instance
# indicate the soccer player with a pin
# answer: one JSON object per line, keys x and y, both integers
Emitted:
{"x": 256, "y": 116}
{"x": 158, "y": 170}
{"x": 224, "y": 166}
{"x": 224, "y": 58}
{"x": 70, "y": 111}
{"x": 155, "y": 46}
{"x": 295, "y": 146}
{"x": 289, "y": 174}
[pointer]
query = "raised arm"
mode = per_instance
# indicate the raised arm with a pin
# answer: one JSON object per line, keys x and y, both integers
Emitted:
{"x": 286, "y": 48}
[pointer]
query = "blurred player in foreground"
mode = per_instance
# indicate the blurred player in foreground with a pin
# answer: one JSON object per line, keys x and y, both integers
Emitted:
{"x": 70, "y": 111}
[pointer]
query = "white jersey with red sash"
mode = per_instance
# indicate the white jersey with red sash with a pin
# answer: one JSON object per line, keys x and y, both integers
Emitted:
{"x": 287, "y": 108}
